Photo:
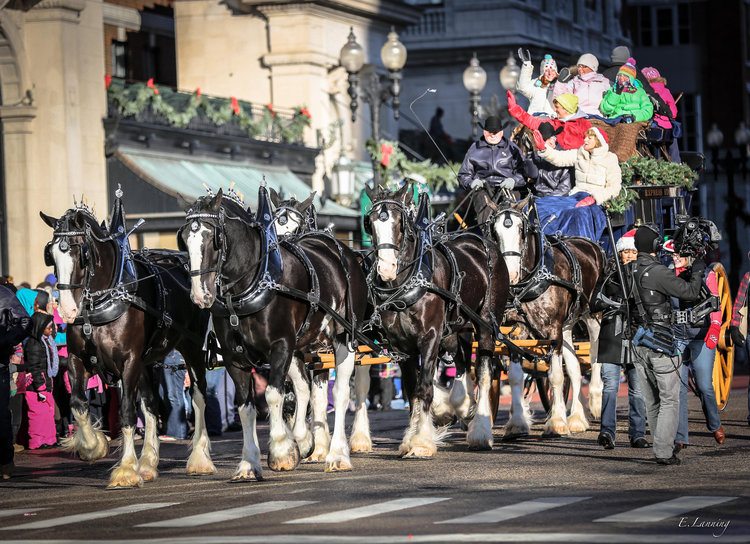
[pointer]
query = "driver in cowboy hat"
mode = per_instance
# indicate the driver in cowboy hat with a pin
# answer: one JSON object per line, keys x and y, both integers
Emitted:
{"x": 493, "y": 160}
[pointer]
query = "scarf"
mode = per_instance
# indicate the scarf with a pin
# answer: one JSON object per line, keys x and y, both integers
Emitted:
{"x": 53, "y": 361}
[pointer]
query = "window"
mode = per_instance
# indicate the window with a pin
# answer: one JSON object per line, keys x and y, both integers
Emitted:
{"x": 662, "y": 25}
{"x": 119, "y": 59}
{"x": 687, "y": 115}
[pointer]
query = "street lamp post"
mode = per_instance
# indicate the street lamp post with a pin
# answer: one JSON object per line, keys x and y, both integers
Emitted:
{"x": 374, "y": 89}
{"x": 475, "y": 78}
{"x": 742, "y": 138}
{"x": 510, "y": 73}
{"x": 714, "y": 139}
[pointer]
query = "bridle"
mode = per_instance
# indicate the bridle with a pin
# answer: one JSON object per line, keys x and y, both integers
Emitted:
{"x": 383, "y": 216}
{"x": 216, "y": 222}
{"x": 84, "y": 249}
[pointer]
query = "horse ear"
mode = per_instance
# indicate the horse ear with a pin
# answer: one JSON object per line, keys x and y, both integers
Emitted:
{"x": 274, "y": 197}
{"x": 489, "y": 202}
{"x": 48, "y": 219}
{"x": 307, "y": 202}
{"x": 215, "y": 203}
{"x": 521, "y": 204}
{"x": 370, "y": 192}
{"x": 405, "y": 193}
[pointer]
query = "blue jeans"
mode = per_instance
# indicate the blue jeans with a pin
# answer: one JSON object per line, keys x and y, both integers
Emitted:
{"x": 173, "y": 385}
{"x": 219, "y": 401}
{"x": 699, "y": 360}
{"x": 636, "y": 404}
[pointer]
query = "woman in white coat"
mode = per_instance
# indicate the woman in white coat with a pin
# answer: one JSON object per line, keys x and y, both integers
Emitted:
{"x": 538, "y": 90}
{"x": 598, "y": 178}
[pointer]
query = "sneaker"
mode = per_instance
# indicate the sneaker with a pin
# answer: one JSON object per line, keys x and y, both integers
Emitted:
{"x": 639, "y": 443}
{"x": 606, "y": 441}
{"x": 166, "y": 438}
{"x": 678, "y": 447}
{"x": 7, "y": 471}
{"x": 674, "y": 460}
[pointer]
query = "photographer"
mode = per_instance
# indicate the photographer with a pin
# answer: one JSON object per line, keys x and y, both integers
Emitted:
{"x": 655, "y": 355}
{"x": 613, "y": 350}
{"x": 696, "y": 341}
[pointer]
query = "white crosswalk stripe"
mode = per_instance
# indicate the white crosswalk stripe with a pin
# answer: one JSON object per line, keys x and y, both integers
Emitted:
{"x": 342, "y": 516}
{"x": 17, "y": 511}
{"x": 667, "y": 509}
{"x": 517, "y": 510}
{"x": 229, "y": 514}
{"x": 89, "y": 516}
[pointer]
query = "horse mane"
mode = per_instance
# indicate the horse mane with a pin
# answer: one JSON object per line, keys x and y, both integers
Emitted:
{"x": 230, "y": 203}
{"x": 89, "y": 218}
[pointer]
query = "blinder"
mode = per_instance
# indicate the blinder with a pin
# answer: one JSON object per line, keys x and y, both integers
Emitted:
{"x": 49, "y": 260}
{"x": 64, "y": 245}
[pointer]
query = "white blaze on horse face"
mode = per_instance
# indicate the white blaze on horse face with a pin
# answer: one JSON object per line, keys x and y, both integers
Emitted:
{"x": 510, "y": 241}
{"x": 199, "y": 291}
{"x": 385, "y": 233}
{"x": 64, "y": 265}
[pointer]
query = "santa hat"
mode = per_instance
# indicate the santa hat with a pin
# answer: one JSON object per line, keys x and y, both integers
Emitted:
{"x": 547, "y": 62}
{"x": 601, "y": 136}
{"x": 628, "y": 69}
{"x": 627, "y": 241}
{"x": 668, "y": 246}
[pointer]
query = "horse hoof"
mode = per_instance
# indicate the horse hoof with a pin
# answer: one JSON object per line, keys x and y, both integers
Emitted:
{"x": 420, "y": 452}
{"x": 480, "y": 447}
{"x": 317, "y": 456}
{"x": 283, "y": 463}
{"x": 200, "y": 469}
{"x": 577, "y": 425}
{"x": 306, "y": 446}
{"x": 360, "y": 443}
{"x": 148, "y": 474}
{"x": 124, "y": 477}
{"x": 341, "y": 464}
{"x": 246, "y": 476}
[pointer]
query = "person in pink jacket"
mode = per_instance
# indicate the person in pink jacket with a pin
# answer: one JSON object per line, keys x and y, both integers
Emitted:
{"x": 659, "y": 84}
{"x": 589, "y": 86}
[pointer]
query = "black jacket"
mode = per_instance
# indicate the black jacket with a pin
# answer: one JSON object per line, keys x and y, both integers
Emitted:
{"x": 15, "y": 324}
{"x": 492, "y": 163}
{"x": 35, "y": 353}
{"x": 550, "y": 180}
{"x": 656, "y": 284}
{"x": 615, "y": 318}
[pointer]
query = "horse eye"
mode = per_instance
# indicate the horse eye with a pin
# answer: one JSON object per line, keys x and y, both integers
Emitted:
{"x": 383, "y": 215}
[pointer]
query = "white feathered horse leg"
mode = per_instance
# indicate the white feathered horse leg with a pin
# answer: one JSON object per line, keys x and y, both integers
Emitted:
{"x": 149, "y": 461}
{"x": 321, "y": 434}
{"x": 577, "y": 422}
{"x": 520, "y": 417}
{"x": 557, "y": 421}
{"x": 360, "y": 440}
{"x": 596, "y": 385}
{"x": 301, "y": 430}
{"x": 338, "y": 456}
{"x": 479, "y": 436}
{"x": 200, "y": 462}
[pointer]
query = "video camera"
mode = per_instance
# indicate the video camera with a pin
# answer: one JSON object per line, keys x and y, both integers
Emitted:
{"x": 695, "y": 236}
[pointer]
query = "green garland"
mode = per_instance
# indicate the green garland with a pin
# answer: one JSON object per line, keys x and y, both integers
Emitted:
{"x": 393, "y": 162}
{"x": 179, "y": 109}
{"x": 647, "y": 171}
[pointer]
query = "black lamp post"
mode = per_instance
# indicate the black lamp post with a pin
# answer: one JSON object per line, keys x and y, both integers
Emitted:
{"x": 475, "y": 78}
{"x": 714, "y": 139}
{"x": 375, "y": 90}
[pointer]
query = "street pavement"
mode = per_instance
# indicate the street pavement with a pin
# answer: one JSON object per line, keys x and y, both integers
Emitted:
{"x": 534, "y": 489}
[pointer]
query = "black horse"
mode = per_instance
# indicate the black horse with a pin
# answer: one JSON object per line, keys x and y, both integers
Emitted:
{"x": 273, "y": 301}
{"x": 553, "y": 281}
{"x": 430, "y": 295}
{"x": 127, "y": 311}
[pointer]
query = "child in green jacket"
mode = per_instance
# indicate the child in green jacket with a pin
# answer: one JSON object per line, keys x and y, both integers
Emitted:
{"x": 627, "y": 97}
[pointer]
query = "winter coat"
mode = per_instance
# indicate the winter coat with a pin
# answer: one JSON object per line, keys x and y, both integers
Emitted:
{"x": 611, "y": 74}
{"x": 615, "y": 320}
{"x": 550, "y": 180}
{"x": 597, "y": 172}
{"x": 631, "y": 101}
{"x": 540, "y": 98}
{"x": 15, "y": 324}
{"x": 35, "y": 353}
{"x": 574, "y": 127}
{"x": 662, "y": 120}
{"x": 589, "y": 88}
{"x": 492, "y": 163}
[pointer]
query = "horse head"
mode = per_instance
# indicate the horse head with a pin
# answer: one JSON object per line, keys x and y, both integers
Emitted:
{"x": 510, "y": 225}
{"x": 290, "y": 215}
{"x": 387, "y": 222}
{"x": 79, "y": 248}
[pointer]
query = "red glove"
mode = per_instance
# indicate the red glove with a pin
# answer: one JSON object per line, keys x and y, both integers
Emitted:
{"x": 513, "y": 108}
{"x": 588, "y": 201}
{"x": 712, "y": 336}
{"x": 539, "y": 140}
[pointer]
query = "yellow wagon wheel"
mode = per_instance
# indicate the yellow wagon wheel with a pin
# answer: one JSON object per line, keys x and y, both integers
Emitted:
{"x": 724, "y": 359}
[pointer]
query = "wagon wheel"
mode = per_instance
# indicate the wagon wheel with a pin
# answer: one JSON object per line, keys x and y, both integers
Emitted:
{"x": 544, "y": 388}
{"x": 724, "y": 359}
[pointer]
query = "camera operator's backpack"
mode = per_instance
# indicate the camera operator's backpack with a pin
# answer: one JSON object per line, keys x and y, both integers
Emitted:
{"x": 15, "y": 323}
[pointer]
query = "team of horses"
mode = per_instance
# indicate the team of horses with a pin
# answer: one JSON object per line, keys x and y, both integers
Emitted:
{"x": 265, "y": 287}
